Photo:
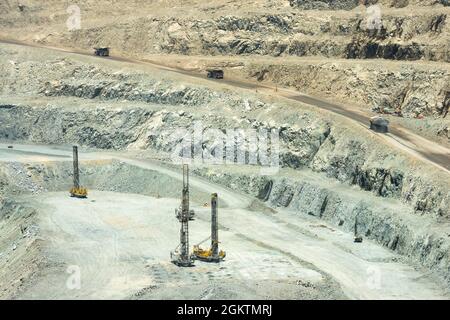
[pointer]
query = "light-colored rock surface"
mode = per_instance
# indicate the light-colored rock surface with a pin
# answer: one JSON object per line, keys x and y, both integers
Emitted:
{"x": 335, "y": 174}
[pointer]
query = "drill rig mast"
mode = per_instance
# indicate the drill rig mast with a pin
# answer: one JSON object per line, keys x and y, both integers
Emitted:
{"x": 212, "y": 254}
{"x": 77, "y": 191}
{"x": 181, "y": 256}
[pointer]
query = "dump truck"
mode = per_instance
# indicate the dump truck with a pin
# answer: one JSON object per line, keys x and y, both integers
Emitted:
{"x": 215, "y": 73}
{"x": 101, "y": 52}
{"x": 379, "y": 124}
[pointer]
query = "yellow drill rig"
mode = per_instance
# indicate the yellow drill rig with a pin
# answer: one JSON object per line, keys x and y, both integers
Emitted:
{"x": 208, "y": 255}
{"x": 77, "y": 191}
{"x": 213, "y": 254}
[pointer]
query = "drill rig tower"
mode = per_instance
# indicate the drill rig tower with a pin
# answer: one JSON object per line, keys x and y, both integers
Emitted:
{"x": 212, "y": 254}
{"x": 77, "y": 191}
{"x": 181, "y": 256}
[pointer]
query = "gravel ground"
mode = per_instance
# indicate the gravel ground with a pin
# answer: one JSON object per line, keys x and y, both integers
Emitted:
{"x": 120, "y": 244}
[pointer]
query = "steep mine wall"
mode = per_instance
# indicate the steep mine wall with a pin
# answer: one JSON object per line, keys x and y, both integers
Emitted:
{"x": 352, "y": 4}
{"x": 405, "y": 90}
{"x": 21, "y": 252}
{"x": 400, "y": 36}
{"x": 21, "y": 255}
{"x": 403, "y": 34}
{"x": 325, "y": 4}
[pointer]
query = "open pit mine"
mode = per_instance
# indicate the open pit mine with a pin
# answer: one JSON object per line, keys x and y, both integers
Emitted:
{"x": 225, "y": 150}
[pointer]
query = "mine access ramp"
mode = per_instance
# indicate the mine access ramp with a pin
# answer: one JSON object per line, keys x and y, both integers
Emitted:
{"x": 379, "y": 124}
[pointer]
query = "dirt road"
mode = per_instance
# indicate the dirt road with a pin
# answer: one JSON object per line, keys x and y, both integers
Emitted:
{"x": 121, "y": 244}
{"x": 399, "y": 137}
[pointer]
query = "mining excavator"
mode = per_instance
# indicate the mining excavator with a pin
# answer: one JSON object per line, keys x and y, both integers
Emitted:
{"x": 213, "y": 254}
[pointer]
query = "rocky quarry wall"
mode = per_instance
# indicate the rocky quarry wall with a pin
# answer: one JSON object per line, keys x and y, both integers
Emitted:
{"x": 351, "y": 4}
{"x": 416, "y": 36}
{"x": 406, "y": 90}
{"x": 418, "y": 31}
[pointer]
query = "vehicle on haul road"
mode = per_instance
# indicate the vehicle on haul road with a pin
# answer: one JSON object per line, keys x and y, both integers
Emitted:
{"x": 379, "y": 124}
{"x": 101, "y": 52}
{"x": 215, "y": 73}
